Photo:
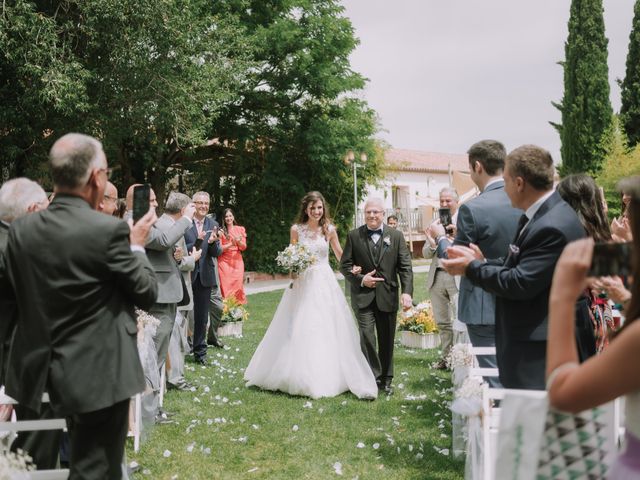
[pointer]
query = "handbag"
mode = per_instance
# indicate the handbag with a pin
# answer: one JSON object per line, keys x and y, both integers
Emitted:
{"x": 537, "y": 442}
{"x": 186, "y": 299}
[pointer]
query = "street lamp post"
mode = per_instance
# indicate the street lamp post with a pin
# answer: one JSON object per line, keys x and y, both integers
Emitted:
{"x": 350, "y": 159}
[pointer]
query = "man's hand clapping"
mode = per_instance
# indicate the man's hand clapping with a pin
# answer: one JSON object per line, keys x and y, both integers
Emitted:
{"x": 460, "y": 257}
{"x": 196, "y": 253}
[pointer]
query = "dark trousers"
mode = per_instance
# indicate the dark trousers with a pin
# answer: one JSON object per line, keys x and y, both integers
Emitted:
{"x": 522, "y": 363}
{"x": 372, "y": 321}
{"x": 97, "y": 442}
{"x": 42, "y": 445}
{"x": 485, "y": 336}
{"x": 201, "y": 298}
{"x": 215, "y": 314}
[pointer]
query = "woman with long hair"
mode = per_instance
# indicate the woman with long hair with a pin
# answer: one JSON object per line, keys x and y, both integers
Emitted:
{"x": 615, "y": 372}
{"x": 312, "y": 346}
{"x": 230, "y": 263}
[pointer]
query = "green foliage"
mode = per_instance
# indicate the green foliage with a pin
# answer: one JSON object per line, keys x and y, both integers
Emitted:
{"x": 630, "y": 86}
{"x": 620, "y": 162}
{"x": 585, "y": 106}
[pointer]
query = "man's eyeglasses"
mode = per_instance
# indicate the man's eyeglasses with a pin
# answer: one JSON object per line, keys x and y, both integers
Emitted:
{"x": 109, "y": 197}
{"x": 201, "y": 203}
{"x": 373, "y": 212}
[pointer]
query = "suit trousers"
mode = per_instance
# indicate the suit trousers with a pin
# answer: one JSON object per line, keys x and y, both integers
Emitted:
{"x": 97, "y": 442}
{"x": 43, "y": 446}
{"x": 201, "y": 299}
{"x": 444, "y": 300}
{"x": 372, "y": 321}
{"x": 166, "y": 313}
{"x": 215, "y": 314}
{"x": 485, "y": 336}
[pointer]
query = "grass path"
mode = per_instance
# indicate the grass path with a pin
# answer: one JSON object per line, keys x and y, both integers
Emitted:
{"x": 224, "y": 430}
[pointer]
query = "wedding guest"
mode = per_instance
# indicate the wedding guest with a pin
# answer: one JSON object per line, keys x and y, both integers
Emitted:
{"x": 76, "y": 332}
{"x": 615, "y": 372}
{"x": 392, "y": 221}
{"x": 230, "y": 264}
{"x": 109, "y": 203}
{"x": 19, "y": 197}
{"x": 204, "y": 278}
{"x": 581, "y": 192}
{"x": 442, "y": 286}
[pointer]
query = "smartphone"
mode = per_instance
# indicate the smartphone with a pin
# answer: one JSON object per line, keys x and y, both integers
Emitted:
{"x": 141, "y": 195}
{"x": 464, "y": 243}
{"x": 198, "y": 243}
{"x": 611, "y": 259}
{"x": 445, "y": 216}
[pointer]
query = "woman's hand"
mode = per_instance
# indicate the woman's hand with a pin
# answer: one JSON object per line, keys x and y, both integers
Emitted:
{"x": 613, "y": 287}
{"x": 570, "y": 276}
{"x": 621, "y": 229}
{"x": 356, "y": 269}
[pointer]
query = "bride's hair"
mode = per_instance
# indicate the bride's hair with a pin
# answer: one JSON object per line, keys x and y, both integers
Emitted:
{"x": 310, "y": 198}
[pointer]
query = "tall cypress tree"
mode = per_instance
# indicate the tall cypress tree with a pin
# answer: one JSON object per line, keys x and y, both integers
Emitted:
{"x": 630, "y": 109}
{"x": 586, "y": 108}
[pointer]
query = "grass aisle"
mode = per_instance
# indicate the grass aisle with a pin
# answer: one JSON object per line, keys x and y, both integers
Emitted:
{"x": 226, "y": 431}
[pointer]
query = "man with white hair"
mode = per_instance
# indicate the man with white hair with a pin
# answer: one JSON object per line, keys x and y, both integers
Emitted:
{"x": 382, "y": 254}
{"x": 76, "y": 330}
{"x": 109, "y": 203}
{"x": 18, "y": 197}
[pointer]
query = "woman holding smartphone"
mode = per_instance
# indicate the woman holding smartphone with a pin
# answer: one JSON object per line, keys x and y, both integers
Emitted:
{"x": 230, "y": 263}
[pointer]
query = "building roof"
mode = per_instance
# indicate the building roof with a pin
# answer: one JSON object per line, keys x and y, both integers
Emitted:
{"x": 432, "y": 162}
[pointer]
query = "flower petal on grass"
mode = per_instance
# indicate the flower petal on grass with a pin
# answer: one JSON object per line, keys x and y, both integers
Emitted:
{"x": 337, "y": 468}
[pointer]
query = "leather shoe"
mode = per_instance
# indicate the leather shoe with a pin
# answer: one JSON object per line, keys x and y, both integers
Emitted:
{"x": 217, "y": 344}
{"x": 182, "y": 385}
{"x": 202, "y": 361}
{"x": 442, "y": 365}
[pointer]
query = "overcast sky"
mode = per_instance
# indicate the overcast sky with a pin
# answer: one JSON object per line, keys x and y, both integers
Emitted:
{"x": 446, "y": 73}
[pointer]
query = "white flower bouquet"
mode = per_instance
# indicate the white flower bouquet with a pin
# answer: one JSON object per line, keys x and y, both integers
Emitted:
{"x": 296, "y": 258}
{"x": 15, "y": 466}
{"x": 460, "y": 356}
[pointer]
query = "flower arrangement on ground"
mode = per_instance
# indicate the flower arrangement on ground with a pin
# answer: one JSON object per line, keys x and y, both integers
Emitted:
{"x": 233, "y": 311}
{"x": 296, "y": 258}
{"x": 418, "y": 319}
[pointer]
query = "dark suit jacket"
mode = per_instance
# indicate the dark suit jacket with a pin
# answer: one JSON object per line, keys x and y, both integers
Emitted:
{"x": 393, "y": 263}
{"x": 75, "y": 281}
{"x": 206, "y": 270}
{"x": 522, "y": 283}
{"x": 490, "y": 222}
{"x": 7, "y": 311}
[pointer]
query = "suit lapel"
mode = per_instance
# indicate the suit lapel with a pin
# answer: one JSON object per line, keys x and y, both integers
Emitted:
{"x": 364, "y": 238}
{"x": 383, "y": 246}
{"x": 548, "y": 204}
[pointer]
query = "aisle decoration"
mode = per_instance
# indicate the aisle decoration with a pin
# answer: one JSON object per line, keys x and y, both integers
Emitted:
{"x": 147, "y": 327}
{"x": 467, "y": 402}
{"x": 15, "y": 466}
{"x": 418, "y": 328}
{"x": 233, "y": 314}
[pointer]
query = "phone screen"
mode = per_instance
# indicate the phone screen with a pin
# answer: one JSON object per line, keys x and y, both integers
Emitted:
{"x": 141, "y": 194}
{"x": 445, "y": 216}
{"x": 611, "y": 259}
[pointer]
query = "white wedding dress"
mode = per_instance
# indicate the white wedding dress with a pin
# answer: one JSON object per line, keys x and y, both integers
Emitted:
{"x": 312, "y": 346}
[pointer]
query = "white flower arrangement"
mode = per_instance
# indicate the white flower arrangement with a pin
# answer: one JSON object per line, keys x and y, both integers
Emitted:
{"x": 387, "y": 240}
{"x": 470, "y": 388}
{"x": 147, "y": 325}
{"x": 468, "y": 398}
{"x": 296, "y": 258}
{"x": 15, "y": 466}
{"x": 460, "y": 356}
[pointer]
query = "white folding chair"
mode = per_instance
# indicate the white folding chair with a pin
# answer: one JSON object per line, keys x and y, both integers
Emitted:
{"x": 135, "y": 423}
{"x": 34, "y": 425}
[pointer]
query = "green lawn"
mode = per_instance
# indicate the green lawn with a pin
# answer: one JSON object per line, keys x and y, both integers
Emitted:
{"x": 227, "y": 431}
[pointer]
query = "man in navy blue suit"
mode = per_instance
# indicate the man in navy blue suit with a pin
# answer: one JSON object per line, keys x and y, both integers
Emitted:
{"x": 204, "y": 276}
{"x": 522, "y": 280}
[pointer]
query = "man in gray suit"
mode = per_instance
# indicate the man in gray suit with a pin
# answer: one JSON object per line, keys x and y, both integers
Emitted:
{"x": 442, "y": 286}
{"x": 488, "y": 221}
{"x": 76, "y": 276}
{"x": 160, "y": 245}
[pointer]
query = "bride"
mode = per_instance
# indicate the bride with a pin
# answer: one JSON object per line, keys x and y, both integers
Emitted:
{"x": 312, "y": 346}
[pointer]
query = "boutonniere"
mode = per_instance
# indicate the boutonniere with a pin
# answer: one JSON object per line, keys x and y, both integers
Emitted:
{"x": 387, "y": 241}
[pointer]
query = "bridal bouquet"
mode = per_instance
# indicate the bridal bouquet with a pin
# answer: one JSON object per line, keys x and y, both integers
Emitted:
{"x": 418, "y": 319}
{"x": 232, "y": 311}
{"x": 296, "y": 258}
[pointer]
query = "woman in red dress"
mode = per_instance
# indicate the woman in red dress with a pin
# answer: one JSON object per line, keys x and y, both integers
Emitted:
{"x": 230, "y": 264}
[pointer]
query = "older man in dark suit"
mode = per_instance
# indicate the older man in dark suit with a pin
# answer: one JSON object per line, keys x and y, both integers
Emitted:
{"x": 76, "y": 330}
{"x": 205, "y": 275}
{"x": 522, "y": 281}
{"x": 382, "y": 254}
{"x": 488, "y": 221}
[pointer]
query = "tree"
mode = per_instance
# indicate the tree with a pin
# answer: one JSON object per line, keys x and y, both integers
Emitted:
{"x": 585, "y": 106}
{"x": 630, "y": 86}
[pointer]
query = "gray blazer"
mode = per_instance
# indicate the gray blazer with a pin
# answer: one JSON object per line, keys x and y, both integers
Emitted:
{"x": 162, "y": 237}
{"x": 490, "y": 222}
{"x": 187, "y": 264}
